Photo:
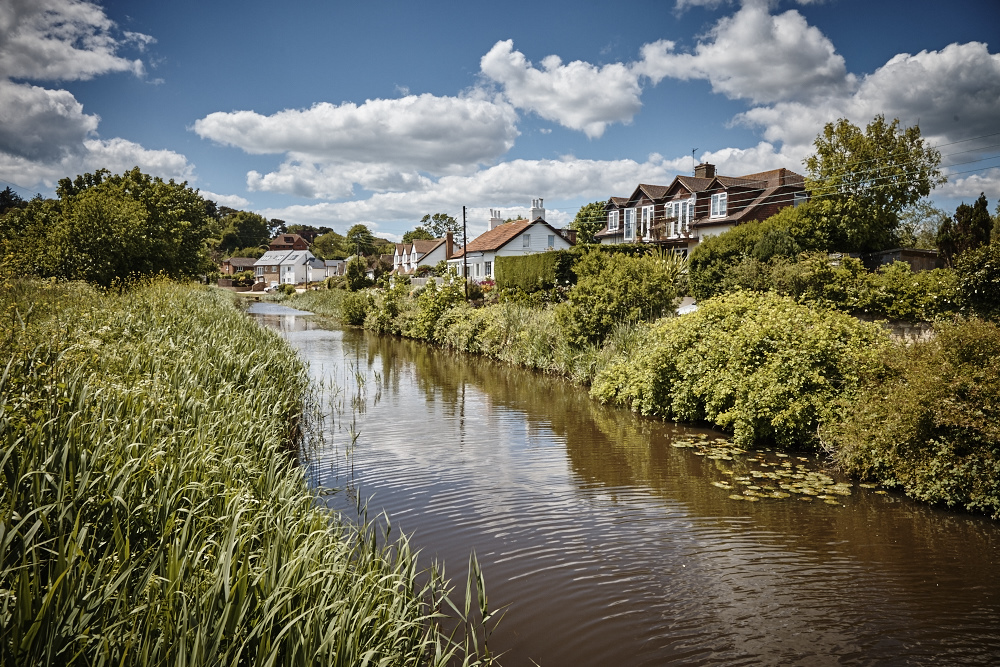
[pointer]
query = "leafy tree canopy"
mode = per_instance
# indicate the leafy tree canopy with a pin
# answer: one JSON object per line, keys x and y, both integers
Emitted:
{"x": 10, "y": 199}
{"x": 439, "y": 224}
{"x": 242, "y": 229}
{"x": 330, "y": 245}
{"x": 969, "y": 229}
{"x": 106, "y": 227}
{"x": 862, "y": 180}
{"x": 588, "y": 221}
{"x": 417, "y": 234}
{"x": 360, "y": 240}
{"x": 919, "y": 224}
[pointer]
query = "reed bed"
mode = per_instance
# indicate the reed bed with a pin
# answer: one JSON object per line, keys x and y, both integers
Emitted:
{"x": 152, "y": 511}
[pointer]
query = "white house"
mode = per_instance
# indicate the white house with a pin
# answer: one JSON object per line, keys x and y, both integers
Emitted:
{"x": 409, "y": 256}
{"x": 287, "y": 267}
{"x": 505, "y": 239}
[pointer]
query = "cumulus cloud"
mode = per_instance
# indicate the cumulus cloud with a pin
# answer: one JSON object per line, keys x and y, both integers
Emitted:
{"x": 424, "y": 132}
{"x": 232, "y": 201}
{"x": 577, "y": 95}
{"x": 60, "y": 40}
{"x": 757, "y": 56}
{"x": 45, "y": 134}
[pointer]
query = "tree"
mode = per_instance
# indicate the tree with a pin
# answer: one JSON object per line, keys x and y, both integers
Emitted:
{"x": 276, "y": 226}
{"x": 360, "y": 240}
{"x": 416, "y": 234}
{"x": 330, "y": 245}
{"x": 439, "y": 224}
{"x": 588, "y": 221}
{"x": 355, "y": 274}
{"x": 919, "y": 225}
{"x": 862, "y": 181}
{"x": 243, "y": 229}
{"x": 969, "y": 229}
{"x": 10, "y": 199}
{"x": 106, "y": 227}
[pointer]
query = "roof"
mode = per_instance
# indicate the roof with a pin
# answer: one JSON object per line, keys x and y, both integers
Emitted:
{"x": 241, "y": 261}
{"x": 425, "y": 246}
{"x": 500, "y": 236}
{"x": 272, "y": 257}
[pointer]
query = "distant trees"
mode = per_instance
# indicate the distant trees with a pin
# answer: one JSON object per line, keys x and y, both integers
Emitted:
{"x": 439, "y": 224}
{"x": 588, "y": 221}
{"x": 105, "y": 227}
{"x": 242, "y": 229}
{"x": 417, "y": 234}
{"x": 861, "y": 180}
{"x": 360, "y": 240}
{"x": 970, "y": 228}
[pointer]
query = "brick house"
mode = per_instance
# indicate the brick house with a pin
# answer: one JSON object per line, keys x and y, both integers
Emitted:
{"x": 288, "y": 242}
{"x": 235, "y": 265}
{"x": 695, "y": 207}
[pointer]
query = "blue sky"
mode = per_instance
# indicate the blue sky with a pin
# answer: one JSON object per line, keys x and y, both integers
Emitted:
{"x": 333, "y": 113}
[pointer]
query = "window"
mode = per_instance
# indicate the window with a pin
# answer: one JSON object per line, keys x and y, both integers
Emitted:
{"x": 477, "y": 269}
{"x": 526, "y": 241}
{"x": 552, "y": 241}
{"x": 489, "y": 269}
{"x": 630, "y": 224}
{"x": 612, "y": 221}
{"x": 719, "y": 205}
{"x": 799, "y": 198}
{"x": 646, "y": 221}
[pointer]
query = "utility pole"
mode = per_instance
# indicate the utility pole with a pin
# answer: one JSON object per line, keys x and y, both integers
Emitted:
{"x": 465, "y": 256}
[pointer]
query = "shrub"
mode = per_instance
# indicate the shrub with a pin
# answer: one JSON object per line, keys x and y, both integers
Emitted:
{"x": 617, "y": 288}
{"x": 355, "y": 306}
{"x": 539, "y": 271}
{"x": 978, "y": 278}
{"x": 354, "y": 275}
{"x": 760, "y": 365}
{"x": 432, "y": 302}
{"x": 933, "y": 427}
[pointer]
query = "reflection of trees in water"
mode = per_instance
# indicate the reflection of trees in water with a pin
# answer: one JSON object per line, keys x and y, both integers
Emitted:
{"x": 614, "y": 448}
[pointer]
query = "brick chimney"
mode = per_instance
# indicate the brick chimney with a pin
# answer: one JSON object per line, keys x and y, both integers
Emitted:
{"x": 449, "y": 244}
{"x": 705, "y": 170}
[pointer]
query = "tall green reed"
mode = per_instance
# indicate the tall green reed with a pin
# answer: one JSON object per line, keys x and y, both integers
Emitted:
{"x": 151, "y": 513}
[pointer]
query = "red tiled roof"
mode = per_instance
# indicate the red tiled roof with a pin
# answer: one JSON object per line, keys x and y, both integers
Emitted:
{"x": 495, "y": 238}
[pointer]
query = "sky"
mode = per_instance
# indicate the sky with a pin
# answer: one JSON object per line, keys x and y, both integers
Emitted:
{"x": 336, "y": 113}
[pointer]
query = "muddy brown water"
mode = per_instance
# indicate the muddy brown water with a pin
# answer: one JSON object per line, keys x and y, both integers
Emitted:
{"x": 610, "y": 546}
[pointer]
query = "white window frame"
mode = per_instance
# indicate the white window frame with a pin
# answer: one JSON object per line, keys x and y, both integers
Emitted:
{"x": 629, "y": 226}
{"x": 799, "y": 198}
{"x": 488, "y": 271}
{"x": 646, "y": 224}
{"x": 720, "y": 205}
{"x": 526, "y": 240}
{"x": 612, "y": 221}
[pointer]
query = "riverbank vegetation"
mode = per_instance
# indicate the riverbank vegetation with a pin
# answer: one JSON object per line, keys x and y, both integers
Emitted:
{"x": 151, "y": 507}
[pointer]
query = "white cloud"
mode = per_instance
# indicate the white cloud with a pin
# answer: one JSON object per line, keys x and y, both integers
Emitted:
{"x": 757, "y": 56}
{"x": 55, "y": 40}
{"x": 232, "y": 201}
{"x": 509, "y": 185}
{"x": 421, "y": 132}
{"x": 45, "y": 134}
{"x": 577, "y": 95}
{"x": 41, "y": 124}
{"x": 968, "y": 187}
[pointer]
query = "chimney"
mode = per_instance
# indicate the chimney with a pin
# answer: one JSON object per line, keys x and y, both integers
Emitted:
{"x": 449, "y": 244}
{"x": 495, "y": 219}
{"x": 705, "y": 170}
{"x": 537, "y": 210}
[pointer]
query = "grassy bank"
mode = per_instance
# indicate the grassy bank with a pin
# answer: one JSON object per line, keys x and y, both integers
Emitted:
{"x": 773, "y": 372}
{"x": 151, "y": 510}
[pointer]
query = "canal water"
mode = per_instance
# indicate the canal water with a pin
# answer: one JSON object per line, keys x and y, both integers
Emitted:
{"x": 611, "y": 545}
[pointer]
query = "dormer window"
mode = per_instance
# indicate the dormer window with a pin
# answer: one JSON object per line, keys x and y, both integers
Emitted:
{"x": 719, "y": 204}
{"x": 629, "y": 224}
{"x": 612, "y": 221}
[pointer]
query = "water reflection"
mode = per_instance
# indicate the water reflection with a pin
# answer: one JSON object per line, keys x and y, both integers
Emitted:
{"x": 612, "y": 546}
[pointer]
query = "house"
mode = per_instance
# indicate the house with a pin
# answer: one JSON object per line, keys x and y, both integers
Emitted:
{"x": 288, "y": 242}
{"x": 409, "y": 256}
{"x": 235, "y": 265}
{"x": 287, "y": 267}
{"x": 695, "y": 207}
{"x": 504, "y": 239}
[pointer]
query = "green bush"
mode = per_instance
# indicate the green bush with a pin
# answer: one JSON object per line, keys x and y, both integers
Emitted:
{"x": 617, "y": 288}
{"x": 432, "y": 302}
{"x": 933, "y": 427}
{"x": 978, "y": 274}
{"x": 355, "y": 306}
{"x": 760, "y": 365}
{"x": 539, "y": 271}
{"x": 355, "y": 275}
